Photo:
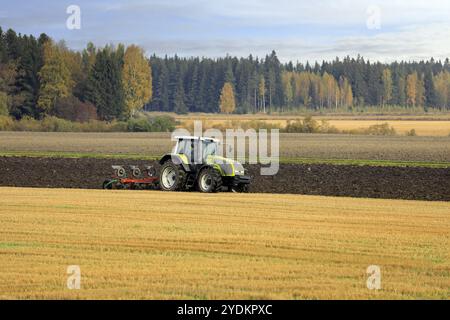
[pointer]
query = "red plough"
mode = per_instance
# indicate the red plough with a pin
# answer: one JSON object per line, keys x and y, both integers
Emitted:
{"x": 138, "y": 180}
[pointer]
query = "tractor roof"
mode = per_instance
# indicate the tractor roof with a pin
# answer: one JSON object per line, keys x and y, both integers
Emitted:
{"x": 196, "y": 138}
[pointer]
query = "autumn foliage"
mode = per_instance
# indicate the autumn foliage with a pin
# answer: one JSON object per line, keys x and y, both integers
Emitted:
{"x": 227, "y": 100}
{"x": 136, "y": 80}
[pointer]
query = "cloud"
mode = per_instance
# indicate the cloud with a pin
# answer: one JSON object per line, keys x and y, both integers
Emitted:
{"x": 294, "y": 12}
{"x": 297, "y": 30}
{"x": 408, "y": 43}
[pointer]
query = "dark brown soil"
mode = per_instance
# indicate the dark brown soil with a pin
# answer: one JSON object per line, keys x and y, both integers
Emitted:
{"x": 318, "y": 179}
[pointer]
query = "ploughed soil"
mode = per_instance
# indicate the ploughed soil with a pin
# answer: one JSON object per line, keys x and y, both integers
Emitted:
{"x": 312, "y": 179}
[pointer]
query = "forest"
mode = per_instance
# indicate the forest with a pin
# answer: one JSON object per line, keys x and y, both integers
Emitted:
{"x": 40, "y": 77}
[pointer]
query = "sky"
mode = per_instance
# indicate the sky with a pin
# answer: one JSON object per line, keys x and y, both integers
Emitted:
{"x": 297, "y": 30}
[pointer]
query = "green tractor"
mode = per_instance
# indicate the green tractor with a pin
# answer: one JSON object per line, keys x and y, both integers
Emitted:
{"x": 195, "y": 164}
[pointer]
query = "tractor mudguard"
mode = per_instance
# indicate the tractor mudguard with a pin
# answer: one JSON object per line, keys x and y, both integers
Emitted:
{"x": 178, "y": 159}
{"x": 203, "y": 166}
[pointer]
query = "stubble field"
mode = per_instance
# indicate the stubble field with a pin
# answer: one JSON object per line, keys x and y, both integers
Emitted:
{"x": 424, "y": 125}
{"x": 150, "y": 244}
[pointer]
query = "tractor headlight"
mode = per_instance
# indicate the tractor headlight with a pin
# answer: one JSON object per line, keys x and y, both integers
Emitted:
{"x": 239, "y": 169}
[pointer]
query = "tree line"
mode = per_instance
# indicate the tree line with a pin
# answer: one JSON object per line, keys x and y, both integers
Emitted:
{"x": 267, "y": 85}
{"x": 39, "y": 77}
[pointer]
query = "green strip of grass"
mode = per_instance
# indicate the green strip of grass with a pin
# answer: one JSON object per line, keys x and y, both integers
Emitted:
{"x": 362, "y": 162}
{"x": 75, "y": 155}
{"x": 358, "y": 162}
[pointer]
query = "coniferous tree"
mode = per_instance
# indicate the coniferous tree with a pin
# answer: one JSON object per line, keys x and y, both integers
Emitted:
{"x": 3, "y": 53}
{"x": 160, "y": 76}
{"x": 88, "y": 57}
{"x": 104, "y": 85}
{"x": 27, "y": 82}
{"x": 401, "y": 91}
{"x": 252, "y": 91}
{"x": 387, "y": 86}
{"x": 193, "y": 87}
{"x": 430, "y": 91}
{"x": 14, "y": 48}
{"x": 179, "y": 105}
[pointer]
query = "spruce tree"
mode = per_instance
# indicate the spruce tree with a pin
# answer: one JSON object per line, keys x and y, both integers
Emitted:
{"x": 3, "y": 55}
{"x": 193, "y": 85}
{"x": 179, "y": 105}
{"x": 430, "y": 90}
{"x": 14, "y": 45}
{"x": 27, "y": 82}
{"x": 104, "y": 85}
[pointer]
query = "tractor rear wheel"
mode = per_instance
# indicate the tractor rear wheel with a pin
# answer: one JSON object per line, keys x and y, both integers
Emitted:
{"x": 209, "y": 180}
{"x": 172, "y": 177}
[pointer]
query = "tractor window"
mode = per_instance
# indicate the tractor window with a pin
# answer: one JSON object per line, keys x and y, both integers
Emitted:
{"x": 187, "y": 147}
{"x": 184, "y": 147}
{"x": 209, "y": 148}
{"x": 180, "y": 147}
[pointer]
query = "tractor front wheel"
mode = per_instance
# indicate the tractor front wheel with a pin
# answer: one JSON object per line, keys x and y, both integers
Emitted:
{"x": 209, "y": 180}
{"x": 172, "y": 177}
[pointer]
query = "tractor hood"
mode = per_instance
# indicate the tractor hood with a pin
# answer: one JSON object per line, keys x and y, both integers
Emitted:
{"x": 229, "y": 167}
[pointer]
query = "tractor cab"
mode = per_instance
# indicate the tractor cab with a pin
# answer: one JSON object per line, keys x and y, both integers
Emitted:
{"x": 196, "y": 149}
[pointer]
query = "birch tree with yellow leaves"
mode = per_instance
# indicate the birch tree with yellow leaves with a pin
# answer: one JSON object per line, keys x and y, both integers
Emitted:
{"x": 136, "y": 79}
{"x": 227, "y": 101}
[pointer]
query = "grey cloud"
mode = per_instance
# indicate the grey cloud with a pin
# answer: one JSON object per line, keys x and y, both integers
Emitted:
{"x": 307, "y": 31}
{"x": 408, "y": 43}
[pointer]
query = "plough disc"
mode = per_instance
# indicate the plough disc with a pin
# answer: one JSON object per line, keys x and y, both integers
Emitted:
{"x": 137, "y": 180}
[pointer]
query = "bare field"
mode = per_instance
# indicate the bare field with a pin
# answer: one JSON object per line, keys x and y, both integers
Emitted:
{"x": 362, "y": 181}
{"x": 311, "y": 146}
{"x": 157, "y": 245}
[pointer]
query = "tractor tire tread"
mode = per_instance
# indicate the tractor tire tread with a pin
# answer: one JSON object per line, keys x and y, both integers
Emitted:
{"x": 181, "y": 176}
